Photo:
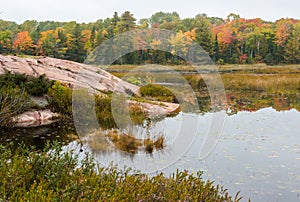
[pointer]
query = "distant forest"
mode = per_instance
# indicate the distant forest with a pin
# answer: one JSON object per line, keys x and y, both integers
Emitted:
{"x": 234, "y": 40}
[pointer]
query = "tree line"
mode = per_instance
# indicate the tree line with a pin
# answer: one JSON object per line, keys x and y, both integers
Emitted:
{"x": 234, "y": 40}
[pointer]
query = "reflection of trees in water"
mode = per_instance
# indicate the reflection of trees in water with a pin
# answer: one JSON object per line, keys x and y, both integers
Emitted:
{"x": 253, "y": 101}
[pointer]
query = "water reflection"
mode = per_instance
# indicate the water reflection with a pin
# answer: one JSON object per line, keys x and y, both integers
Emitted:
{"x": 38, "y": 136}
{"x": 258, "y": 153}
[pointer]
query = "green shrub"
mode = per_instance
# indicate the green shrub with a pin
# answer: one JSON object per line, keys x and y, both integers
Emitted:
{"x": 220, "y": 62}
{"x": 13, "y": 101}
{"x": 157, "y": 92}
{"x": 33, "y": 86}
{"x": 13, "y": 80}
{"x": 38, "y": 86}
{"x": 54, "y": 175}
{"x": 104, "y": 112}
{"x": 269, "y": 59}
{"x": 60, "y": 99}
{"x": 134, "y": 80}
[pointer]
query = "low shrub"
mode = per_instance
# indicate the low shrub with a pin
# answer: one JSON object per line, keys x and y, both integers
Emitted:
{"x": 33, "y": 85}
{"x": 60, "y": 99}
{"x": 157, "y": 92}
{"x": 13, "y": 101}
{"x": 53, "y": 175}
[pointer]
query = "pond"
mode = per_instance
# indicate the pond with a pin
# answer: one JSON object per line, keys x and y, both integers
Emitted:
{"x": 257, "y": 152}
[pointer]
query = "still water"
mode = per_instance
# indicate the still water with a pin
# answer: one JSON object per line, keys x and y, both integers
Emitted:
{"x": 258, "y": 153}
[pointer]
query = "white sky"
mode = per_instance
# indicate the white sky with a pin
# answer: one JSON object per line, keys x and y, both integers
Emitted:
{"x": 92, "y": 10}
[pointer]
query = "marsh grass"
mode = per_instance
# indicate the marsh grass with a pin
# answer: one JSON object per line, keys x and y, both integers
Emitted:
{"x": 257, "y": 77}
{"x": 273, "y": 83}
{"x": 149, "y": 145}
{"x": 124, "y": 142}
{"x": 159, "y": 143}
{"x": 129, "y": 143}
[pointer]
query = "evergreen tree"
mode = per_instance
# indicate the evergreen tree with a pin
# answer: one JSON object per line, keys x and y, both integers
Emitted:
{"x": 36, "y": 35}
{"x": 92, "y": 38}
{"x": 216, "y": 50}
{"x": 204, "y": 34}
{"x": 61, "y": 44}
{"x": 76, "y": 50}
{"x": 112, "y": 28}
{"x": 126, "y": 23}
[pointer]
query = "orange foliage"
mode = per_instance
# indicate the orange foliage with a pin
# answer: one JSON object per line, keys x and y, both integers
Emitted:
{"x": 23, "y": 42}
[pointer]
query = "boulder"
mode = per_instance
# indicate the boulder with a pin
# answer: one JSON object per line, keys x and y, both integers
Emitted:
{"x": 34, "y": 118}
{"x": 155, "y": 109}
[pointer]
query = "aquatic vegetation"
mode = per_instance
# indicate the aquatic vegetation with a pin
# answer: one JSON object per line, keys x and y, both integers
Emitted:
{"x": 149, "y": 145}
{"x": 125, "y": 142}
{"x": 129, "y": 143}
{"x": 159, "y": 143}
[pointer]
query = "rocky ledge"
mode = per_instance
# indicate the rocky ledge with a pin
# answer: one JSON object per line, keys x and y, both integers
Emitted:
{"x": 70, "y": 73}
{"x": 74, "y": 75}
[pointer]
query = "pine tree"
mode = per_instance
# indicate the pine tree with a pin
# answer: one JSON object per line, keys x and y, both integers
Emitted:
{"x": 126, "y": 23}
{"x": 93, "y": 36}
{"x": 61, "y": 44}
{"x": 216, "y": 51}
{"x": 76, "y": 50}
{"x": 36, "y": 35}
{"x": 204, "y": 34}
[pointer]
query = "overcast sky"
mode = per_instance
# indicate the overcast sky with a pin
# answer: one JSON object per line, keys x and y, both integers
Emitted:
{"x": 92, "y": 10}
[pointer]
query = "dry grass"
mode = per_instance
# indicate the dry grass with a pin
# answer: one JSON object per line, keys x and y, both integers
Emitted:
{"x": 274, "y": 83}
{"x": 149, "y": 145}
{"x": 131, "y": 144}
{"x": 262, "y": 66}
{"x": 160, "y": 142}
{"x": 125, "y": 142}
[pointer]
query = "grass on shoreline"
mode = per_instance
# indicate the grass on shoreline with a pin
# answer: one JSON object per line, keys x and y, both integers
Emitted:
{"x": 282, "y": 79}
{"x": 232, "y": 67}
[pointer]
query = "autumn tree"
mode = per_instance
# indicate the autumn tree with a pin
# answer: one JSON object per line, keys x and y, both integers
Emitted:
{"x": 47, "y": 43}
{"x": 292, "y": 50}
{"x": 23, "y": 43}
